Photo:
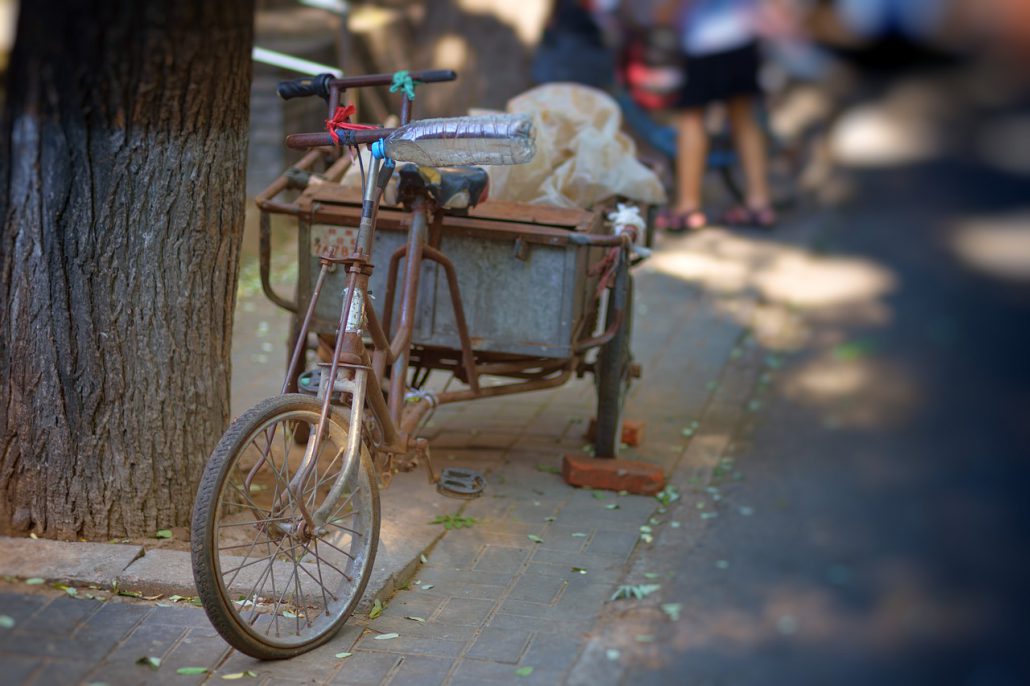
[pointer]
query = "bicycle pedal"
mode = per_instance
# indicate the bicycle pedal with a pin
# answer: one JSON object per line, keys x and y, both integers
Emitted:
{"x": 459, "y": 482}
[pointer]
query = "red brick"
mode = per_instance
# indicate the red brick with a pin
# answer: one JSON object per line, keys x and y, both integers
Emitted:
{"x": 632, "y": 431}
{"x": 634, "y": 476}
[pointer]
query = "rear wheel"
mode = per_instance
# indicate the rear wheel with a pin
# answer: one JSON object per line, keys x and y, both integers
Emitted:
{"x": 612, "y": 368}
{"x": 274, "y": 584}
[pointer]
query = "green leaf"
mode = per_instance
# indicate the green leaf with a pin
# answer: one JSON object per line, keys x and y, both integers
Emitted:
{"x": 611, "y": 506}
{"x": 579, "y": 534}
{"x": 191, "y": 671}
{"x": 524, "y": 671}
{"x": 423, "y": 559}
{"x": 612, "y": 654}
{"x": 35, "y": 581}
{"x": 550, "y": 519}
{"x": 377, "y": 609}
{"x": 672, "y": 610}
{"x": 426, "y": 587}
{"x": 599, "y": 495}
{"x": 71, "y": 591}
{"x": 651, "y": 575}
{"x": 550, "y": 469}
{"x": 454, "y": 521}
{"x": 420, "y": 620}
{"x": 667, "y": 495}
{"x": 163, "y": 533}
{"x": 6, "y": 622}
{"x": 343, "y": 655}
{"x": 257, "y": 488}
{"x": 634, "y": 591}
{"x": 150, "y": 661}
{"x": 385, "y": 637}
{"x": 579, "y": 570}
{"x": 176, "y": 598}
{"x": 535, "y": 538}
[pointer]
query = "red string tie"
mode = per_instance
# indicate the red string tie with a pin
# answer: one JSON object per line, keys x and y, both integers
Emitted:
{"x": 339, "y": 121}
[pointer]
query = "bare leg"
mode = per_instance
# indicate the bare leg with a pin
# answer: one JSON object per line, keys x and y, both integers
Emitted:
{"x": 750, "y": 140}
{"x": 691, "y": 157}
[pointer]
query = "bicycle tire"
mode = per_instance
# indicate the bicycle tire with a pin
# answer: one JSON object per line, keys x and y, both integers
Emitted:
{"x": 253, "y": 634}
{"x": 612, "y": 373}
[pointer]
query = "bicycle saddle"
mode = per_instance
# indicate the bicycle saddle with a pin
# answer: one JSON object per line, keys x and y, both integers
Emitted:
{"x": 451, "y": 188}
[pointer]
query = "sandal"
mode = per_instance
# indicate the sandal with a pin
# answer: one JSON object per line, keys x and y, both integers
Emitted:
{"x": 678, "y": 222}
{"x": 754, "y": 217}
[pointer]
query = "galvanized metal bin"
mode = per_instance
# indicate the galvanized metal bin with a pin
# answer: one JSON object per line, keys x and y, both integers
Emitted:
{"x": 523, "y": 279}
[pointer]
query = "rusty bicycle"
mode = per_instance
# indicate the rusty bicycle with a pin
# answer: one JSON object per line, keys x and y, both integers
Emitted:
{"x": 286, "y": 520}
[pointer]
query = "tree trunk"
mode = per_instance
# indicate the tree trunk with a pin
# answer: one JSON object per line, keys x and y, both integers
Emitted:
{"x": 122, "y": 158}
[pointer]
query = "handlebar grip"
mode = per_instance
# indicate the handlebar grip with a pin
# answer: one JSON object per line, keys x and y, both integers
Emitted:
{"x": 298, "y": 88}
{"x": 435, "y": 75}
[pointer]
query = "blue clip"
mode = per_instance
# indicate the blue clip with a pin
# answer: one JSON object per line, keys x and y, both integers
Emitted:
{"x": 378, "y": 150}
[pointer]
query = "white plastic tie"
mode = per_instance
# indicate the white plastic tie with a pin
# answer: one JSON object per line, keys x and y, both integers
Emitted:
{"x": 625, "y": 216}
{"x": 413, "y": 396}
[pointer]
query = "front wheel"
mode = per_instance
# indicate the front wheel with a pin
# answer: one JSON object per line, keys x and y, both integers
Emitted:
{"x": 612, "y": 368}
{"x": 273, "y": 583}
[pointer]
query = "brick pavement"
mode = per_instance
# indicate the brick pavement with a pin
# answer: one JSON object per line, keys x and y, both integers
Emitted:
{"x": 493, "y": 601}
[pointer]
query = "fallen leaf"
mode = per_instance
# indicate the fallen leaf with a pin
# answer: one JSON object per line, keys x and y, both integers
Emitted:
{"x": 377, "y": 608}
{"x": 385, "y": 637}
{"x": 644, "y": 638}
{"x": 190, "y": 671}
{"x": 33, "y": 536}
{"x": 423, "y": 559}
{"x": 35, "y": 581}
{"x": 426, "y": 587}
{"x": 150, "y": 661}
{"x": 612, "y": 506}
{"x": 420, "y": 620}
{"x": 612, "y": 654}
{"x": 535, "y": 538}
{"x": 672, "y": 610}
{"x": 163, "y": 533}
{"x": 6, "y": 622}
{"x": 550, "y": 519}
{"x": 343, "y": 655}
{"x": 579, "y": 570}
{"x": 579, "y": 534}
{"x": 523, "y": 671}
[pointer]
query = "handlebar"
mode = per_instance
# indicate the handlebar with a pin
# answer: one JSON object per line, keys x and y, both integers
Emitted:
{"x": 320, "y": 85}
{"x": 303, "y": 141}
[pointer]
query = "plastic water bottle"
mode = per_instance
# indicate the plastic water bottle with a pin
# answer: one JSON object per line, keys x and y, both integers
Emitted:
{"x": 488, "y": 139}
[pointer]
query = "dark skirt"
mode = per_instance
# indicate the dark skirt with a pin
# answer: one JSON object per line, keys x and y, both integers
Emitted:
{"x": 720, "y": 76}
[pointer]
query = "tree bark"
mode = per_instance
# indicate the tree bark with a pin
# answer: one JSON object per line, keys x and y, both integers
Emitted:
{"x": 122, "y": 163}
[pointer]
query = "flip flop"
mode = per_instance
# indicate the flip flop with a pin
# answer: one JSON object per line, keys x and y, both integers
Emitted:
{"x": 755, "y": 217}
{"x": 678, "y": 222}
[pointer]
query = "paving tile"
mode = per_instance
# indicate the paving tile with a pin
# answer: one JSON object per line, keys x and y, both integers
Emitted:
{"x": 613, "y": 542}
{"x": 500, "y": 645}
{"x": 431, "y": 628}
{"x": 114, "y": 618}
{"x": 61, "y": 616}
{"x": 496, "y": 558}
{"x": 178, "y": 616}
{"x": 20, "y": 607}
{"x": 419, "y": 670}
{"x": 538, "y": 588}
{"x": 553, "y": 651}
{"x": 18, "y": 668}
{"x": 408, "y": 643}
{"x": 477, "y": 672}
{"x": 465, "y": 611}
{"x": 57, "y": 672}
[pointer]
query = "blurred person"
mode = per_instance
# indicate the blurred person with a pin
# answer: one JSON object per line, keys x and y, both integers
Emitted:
{"x": 718, "y": 59}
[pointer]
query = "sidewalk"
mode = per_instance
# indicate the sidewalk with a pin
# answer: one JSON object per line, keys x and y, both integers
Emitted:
{"x": 497, "y": 606}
